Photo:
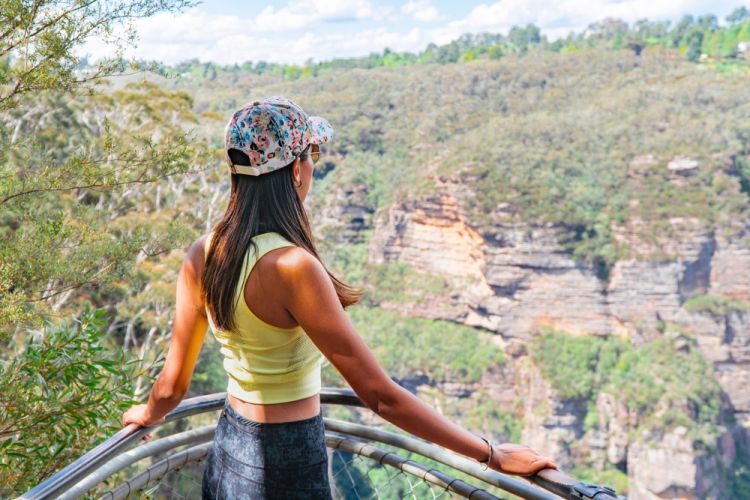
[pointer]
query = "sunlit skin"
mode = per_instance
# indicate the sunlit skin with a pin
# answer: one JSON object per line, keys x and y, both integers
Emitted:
{"x": 296, "y": 290}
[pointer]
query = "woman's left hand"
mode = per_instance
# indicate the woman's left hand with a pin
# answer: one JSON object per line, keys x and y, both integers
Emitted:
{"x": 519, "y": 460}
{"x": 140, "y": 415}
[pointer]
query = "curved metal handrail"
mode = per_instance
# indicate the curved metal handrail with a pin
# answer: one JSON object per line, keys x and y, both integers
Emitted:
{"x": 199, "y": 452}
{"x": 158, "y": 470}
{"x": 552, "y": 480}
{"x": 63, "y": 479}
{"x": 203, "y": 434}
{"x": 152, "y": 448}
{"x": 427, "y": 474}
{"x": 441, "y": 455}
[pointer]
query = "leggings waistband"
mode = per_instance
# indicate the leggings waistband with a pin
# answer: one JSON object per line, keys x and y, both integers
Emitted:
{"x": 234, "y": 417}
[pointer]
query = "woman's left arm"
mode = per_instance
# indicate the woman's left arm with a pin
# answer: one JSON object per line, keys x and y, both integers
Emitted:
{"x": 188, "y": 332}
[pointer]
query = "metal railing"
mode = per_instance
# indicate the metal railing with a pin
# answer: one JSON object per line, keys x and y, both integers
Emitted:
{"x": 111, "y": 456}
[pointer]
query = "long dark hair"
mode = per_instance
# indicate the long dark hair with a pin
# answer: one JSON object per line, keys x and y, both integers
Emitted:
{"x": 257, "y": 204}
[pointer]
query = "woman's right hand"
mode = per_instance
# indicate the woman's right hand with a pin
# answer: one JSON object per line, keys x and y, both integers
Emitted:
{"x": 518, "y": 460}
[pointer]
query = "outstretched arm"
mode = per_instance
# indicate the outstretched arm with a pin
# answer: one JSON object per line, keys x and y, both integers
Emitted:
{"x": 311, "y": 299}
{"x": 188, "y": 332}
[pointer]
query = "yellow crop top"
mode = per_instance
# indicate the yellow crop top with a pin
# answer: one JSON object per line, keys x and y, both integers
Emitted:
{"x": 266, "y": 363}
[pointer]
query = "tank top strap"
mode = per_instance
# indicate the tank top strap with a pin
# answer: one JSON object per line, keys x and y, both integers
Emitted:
{"x": 207, "y": 245}
{"x": 265, "y": 242}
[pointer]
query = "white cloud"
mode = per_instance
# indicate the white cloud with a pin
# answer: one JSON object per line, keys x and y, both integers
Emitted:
{"x": 300, "y": 30}
{"x": 300, "y": 14}
{"x": 557, "y": 19}
{"x": 282, "y": 35}
{"x": 226, "y": 39}
{"x": 421, "y": 10}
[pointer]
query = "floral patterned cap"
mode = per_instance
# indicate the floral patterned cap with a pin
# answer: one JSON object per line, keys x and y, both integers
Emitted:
{"x": 272, "y": 132}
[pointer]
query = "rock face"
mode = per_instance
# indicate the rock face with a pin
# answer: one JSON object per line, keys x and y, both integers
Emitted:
{"x": 682, "y": 165}
{"x": 725, "y": 341}
{"x": 614, "y": 422}
{"x": 432, "y": 236}
{"x": 551, "y": 425}
{"x": 522, "y": 278}
{"x": 729, "y": 265}
{"x": 535, "y": 283}
{"x": 643, "y": 293}
{"x": 664, "y": 469}
{"x": 517, "y": 277}
{"x": 346, "y": 215}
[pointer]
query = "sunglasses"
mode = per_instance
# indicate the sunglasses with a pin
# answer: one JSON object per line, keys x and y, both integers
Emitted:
{"x": 313, "y": 151}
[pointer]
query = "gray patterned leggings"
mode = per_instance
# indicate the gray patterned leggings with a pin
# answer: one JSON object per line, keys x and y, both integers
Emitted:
{"x": 266, "y": 460}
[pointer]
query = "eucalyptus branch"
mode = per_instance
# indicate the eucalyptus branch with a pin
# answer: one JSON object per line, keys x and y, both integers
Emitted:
{"x": 83, "y": 186}
{"x": 64, "y": 289}
{"x": 45, "y": 26}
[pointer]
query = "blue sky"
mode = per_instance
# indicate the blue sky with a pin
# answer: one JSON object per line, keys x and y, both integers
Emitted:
{"x": 293, "y": 31}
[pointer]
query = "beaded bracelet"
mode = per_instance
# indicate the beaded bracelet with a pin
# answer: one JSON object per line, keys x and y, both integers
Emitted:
{"x": 486, "y": 462}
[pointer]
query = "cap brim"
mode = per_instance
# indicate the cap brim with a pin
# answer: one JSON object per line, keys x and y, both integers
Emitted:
{"x": 321, "y": 130}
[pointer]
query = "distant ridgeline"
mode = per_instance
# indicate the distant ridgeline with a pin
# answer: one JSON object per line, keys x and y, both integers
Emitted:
{"x": 695, "y": 39}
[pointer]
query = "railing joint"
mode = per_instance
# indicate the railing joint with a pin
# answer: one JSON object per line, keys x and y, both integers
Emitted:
{"x": 590, "y": 491}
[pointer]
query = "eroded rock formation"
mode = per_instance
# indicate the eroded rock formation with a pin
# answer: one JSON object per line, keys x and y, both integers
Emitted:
{"x": 517, "y": 277}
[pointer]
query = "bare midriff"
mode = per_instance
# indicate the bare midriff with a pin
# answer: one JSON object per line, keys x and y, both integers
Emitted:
{"x": 289, "y": 411}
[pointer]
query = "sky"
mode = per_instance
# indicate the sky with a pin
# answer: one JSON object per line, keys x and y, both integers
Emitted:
{"x": 294, "y": 31}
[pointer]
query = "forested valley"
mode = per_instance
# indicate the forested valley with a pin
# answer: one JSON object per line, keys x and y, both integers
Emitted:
{"x": 554, "y": 238}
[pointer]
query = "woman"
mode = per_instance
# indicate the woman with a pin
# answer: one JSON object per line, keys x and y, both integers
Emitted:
{"x": 258, "y": 282}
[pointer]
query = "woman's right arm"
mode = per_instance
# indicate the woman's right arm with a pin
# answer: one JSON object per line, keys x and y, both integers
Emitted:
{"x": 311, "y": 299}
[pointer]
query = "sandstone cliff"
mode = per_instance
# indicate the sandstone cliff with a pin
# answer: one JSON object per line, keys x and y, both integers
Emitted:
{"x": 516, "y": 277}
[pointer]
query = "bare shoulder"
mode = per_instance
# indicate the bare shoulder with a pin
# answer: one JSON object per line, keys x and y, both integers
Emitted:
{"x": 293, "y": 264}
{"x": 289, "y": 275}
{"x": 195, "y": 255}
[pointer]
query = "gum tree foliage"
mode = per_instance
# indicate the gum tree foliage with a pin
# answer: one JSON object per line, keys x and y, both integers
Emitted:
{"x": 77, "y": 160}
{"x": 38, "y": 39}
{"x": 59, "y": 390}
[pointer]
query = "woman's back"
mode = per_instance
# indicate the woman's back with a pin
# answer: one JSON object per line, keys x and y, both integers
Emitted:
{"x": 266, "y": 363}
